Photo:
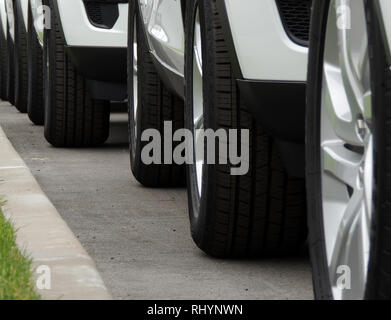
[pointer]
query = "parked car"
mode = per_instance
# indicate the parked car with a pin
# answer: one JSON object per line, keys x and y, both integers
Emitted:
{"x": 17, "y": 53}
{"x": 348, "y": 143}
{"x": 84, "y": 69}
{"x": 27, "y": 58}
{"x": 236, "y": 66}
{"x": 9, "y": 29}
{"x": 3, "y": 52}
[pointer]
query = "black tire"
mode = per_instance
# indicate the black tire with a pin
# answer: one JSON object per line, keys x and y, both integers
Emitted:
{"x": 379, "y": 273}
{"x": 10, "y": 63}
{"x": 155, "y": 106}
{"x": 72, "y": 117}
{"x": 3, "y": 64}
{"x": 35, "y": 103}
{"x": 20, "y": 59}
{"x": 262, "y": 212}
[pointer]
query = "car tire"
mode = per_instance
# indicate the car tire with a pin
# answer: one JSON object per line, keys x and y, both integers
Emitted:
{"x": 20, "y": 59}
{"x": 10, "y": 63}
{"x": 72, "y": 117}
{"x": 262, "y": 212}
{"x": 151, "y": 104}
{"x": 348, "y": 171}
{"x": 35, "y": 102}
{"x": 3, "y": 64}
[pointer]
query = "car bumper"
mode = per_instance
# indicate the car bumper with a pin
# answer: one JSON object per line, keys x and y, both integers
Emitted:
{"x": 79, "y": 31}
{"x": 262, "y": 46}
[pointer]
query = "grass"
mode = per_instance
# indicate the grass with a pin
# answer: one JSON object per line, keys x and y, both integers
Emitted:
{"x": 15, "y": 268}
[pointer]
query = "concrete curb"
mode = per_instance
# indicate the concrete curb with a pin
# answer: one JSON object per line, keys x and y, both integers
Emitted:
{"x": 44, "y": 235}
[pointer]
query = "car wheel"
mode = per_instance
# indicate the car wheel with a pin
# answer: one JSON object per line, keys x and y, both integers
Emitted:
{"x": 20, "y": 59}
{"x": 261, "y": 212}
{"x": 35, "y": 102}
{"x": 3, "y": 64}
{"x": 348, "y": 160}
{"x": 10, "y": 63}
{"x": 150, "y": 106}
{"x": 72, "y": 117}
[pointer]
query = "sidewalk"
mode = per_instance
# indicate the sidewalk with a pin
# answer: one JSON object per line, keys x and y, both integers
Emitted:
{"x": 44, "y": 235}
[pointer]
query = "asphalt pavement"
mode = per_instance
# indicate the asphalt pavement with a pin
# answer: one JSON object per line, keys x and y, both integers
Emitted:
{"x": 139, "y": 238}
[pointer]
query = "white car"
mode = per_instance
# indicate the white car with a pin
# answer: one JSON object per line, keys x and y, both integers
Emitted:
{"x": 16, "y": 31}
{"x": 8, "y": 50}
{"x": 84, "y": 69}
{"x": 22, "y": 50}
{"x": 348, "y": 149}
{"x": 237, "y": 65}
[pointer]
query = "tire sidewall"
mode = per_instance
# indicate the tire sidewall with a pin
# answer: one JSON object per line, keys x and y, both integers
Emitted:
{"x": 49, "y": 54}
{"x": 4, "y": 66}
{"x": 134, "y": 148}
{"x": 17, "y": 55}
{"x": 321, "y": 280}
{"x": 30, "y": 67}
{"x": 379, "y": 267}
{"x": 201, "y": 208}
{"x": 35, "y": 65}
{"x": 11, "y": 70}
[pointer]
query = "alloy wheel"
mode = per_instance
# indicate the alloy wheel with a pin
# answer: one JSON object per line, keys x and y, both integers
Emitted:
{"x": 347, "y": 150}
{"x": 198, "y": 103}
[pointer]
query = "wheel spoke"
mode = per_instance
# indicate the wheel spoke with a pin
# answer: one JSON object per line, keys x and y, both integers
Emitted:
{"x": 341, "y": 163}
{"x": 351, "y": 247}
{"x": 352, "y": 84}
{"x": 368, "y": 179}
{"x": 338, "y": 108}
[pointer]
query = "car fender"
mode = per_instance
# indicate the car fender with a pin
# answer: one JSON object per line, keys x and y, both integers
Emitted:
{"x": 3, "y": 18}
{"x": 38, "y": 12}
{"x": 163, "y": 24}
{"x": 9, "y": 5}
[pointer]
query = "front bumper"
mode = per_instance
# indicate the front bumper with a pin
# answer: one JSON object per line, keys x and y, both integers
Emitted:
{"x": 271, "y": 76}
{"x": 263, "y": 48}
{"x": 80, "y": 31}
{"x": 270, "y": 69}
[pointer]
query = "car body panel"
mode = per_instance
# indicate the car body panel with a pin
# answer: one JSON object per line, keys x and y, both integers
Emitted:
{"x": 263, "y": 48}
{"x": 38, "y": 12}
{"x": 163, "y": 24}
{"x": 3, "y": 17}
{"x": 79, "y": 31}
{"x": 11, "y": 18}
{"x": 257, "y": 32}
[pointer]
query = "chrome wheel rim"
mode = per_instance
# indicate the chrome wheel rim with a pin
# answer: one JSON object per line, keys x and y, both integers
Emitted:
{"x": 135, "y": 87}
{"x": 347, "y": 151}
{"x": 198, "y": 103}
